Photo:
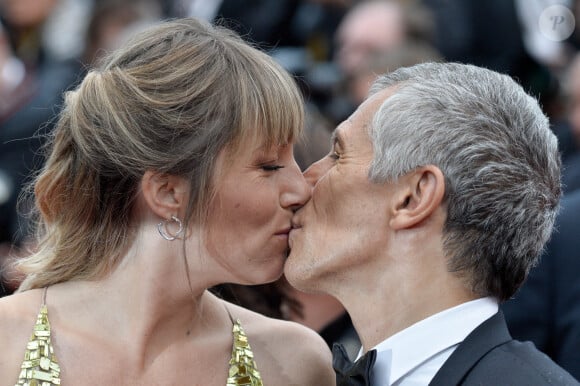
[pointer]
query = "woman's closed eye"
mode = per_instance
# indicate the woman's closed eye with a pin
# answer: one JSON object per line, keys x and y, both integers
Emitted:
{"x": 271, "y": 168}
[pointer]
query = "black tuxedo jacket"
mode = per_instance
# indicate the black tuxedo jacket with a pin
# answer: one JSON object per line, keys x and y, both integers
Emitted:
{"x": 490, "y": 357}
{"x": 546, "y": 310}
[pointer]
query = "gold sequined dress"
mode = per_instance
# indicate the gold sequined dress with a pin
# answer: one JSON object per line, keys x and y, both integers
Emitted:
{"x": 243, "y": 369}
{"x": 40, "y": 366}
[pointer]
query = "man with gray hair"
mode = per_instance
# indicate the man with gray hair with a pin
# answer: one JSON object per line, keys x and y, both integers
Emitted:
{"x": 435, "y": 201}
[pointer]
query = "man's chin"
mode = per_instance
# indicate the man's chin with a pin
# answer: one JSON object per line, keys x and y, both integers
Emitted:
{"x": 296, "y": 274}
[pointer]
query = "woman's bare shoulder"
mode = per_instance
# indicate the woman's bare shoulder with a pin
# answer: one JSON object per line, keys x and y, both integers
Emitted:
{"x": 18, "y": 313}
{"x": 287, "y": 350}
{"x": 17, "y": 317}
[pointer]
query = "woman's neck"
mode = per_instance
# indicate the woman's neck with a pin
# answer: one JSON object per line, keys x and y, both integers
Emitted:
{"x": 147, "y": 302}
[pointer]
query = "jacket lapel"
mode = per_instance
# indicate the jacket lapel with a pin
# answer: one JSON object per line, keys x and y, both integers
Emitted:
{"x": 488, "y": 335}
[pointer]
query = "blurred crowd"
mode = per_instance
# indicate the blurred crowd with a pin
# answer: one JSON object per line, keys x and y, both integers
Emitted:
{"x": 335, "y": 48}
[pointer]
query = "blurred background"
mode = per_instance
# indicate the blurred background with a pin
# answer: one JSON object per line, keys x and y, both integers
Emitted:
{"x": 335, "y": 48}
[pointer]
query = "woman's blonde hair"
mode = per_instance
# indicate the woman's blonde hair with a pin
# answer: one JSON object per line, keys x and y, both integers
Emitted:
{"x": 170, "y": 100}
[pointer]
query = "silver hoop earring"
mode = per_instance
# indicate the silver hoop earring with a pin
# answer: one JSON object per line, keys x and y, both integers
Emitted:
{"x": 164, "y": 232}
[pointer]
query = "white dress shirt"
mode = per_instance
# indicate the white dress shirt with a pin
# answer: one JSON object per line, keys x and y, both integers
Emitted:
{"x": 413, "y": 356}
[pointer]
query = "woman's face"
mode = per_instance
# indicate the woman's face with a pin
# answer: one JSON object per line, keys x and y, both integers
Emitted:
{"x": 250, "y": 217}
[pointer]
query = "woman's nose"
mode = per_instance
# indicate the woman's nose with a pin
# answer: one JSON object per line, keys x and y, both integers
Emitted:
{"x": 315, "y": 172}
{"x": 298, "y": 191}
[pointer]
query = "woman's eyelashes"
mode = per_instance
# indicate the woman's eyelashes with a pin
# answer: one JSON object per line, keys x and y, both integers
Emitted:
{"x": 271, "y": 168}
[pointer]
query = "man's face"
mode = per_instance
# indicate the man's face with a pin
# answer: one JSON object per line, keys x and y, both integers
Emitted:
{"x": 345, "y": 224}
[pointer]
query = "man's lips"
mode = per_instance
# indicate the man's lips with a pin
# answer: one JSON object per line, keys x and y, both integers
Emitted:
{"x": 296, "y": 224}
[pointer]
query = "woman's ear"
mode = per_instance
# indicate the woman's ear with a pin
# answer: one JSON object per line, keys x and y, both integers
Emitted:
{"x": 419, "y": 194}
{"x": 165, "y": 195}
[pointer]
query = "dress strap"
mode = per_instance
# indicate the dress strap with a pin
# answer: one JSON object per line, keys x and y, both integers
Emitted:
{"x": 44, "y": 296}
{"x": 229, "y": 314}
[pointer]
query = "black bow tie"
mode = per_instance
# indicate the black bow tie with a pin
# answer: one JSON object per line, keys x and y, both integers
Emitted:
{"x": 349, "y": 373}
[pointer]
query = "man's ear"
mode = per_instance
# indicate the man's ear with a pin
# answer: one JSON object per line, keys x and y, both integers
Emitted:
{"x": 164, "y": 194}
{"x": 418, "y": 194}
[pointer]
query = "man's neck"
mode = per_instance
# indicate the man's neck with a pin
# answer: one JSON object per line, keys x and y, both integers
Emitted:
{"x": 393, "y": 305}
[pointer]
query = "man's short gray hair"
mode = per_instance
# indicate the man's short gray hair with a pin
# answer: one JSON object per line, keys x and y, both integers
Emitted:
{"x": 499, "y": 157}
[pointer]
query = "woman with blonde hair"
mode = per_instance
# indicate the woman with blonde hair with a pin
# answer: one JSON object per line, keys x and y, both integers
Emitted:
{"x": 171, "y": 170}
